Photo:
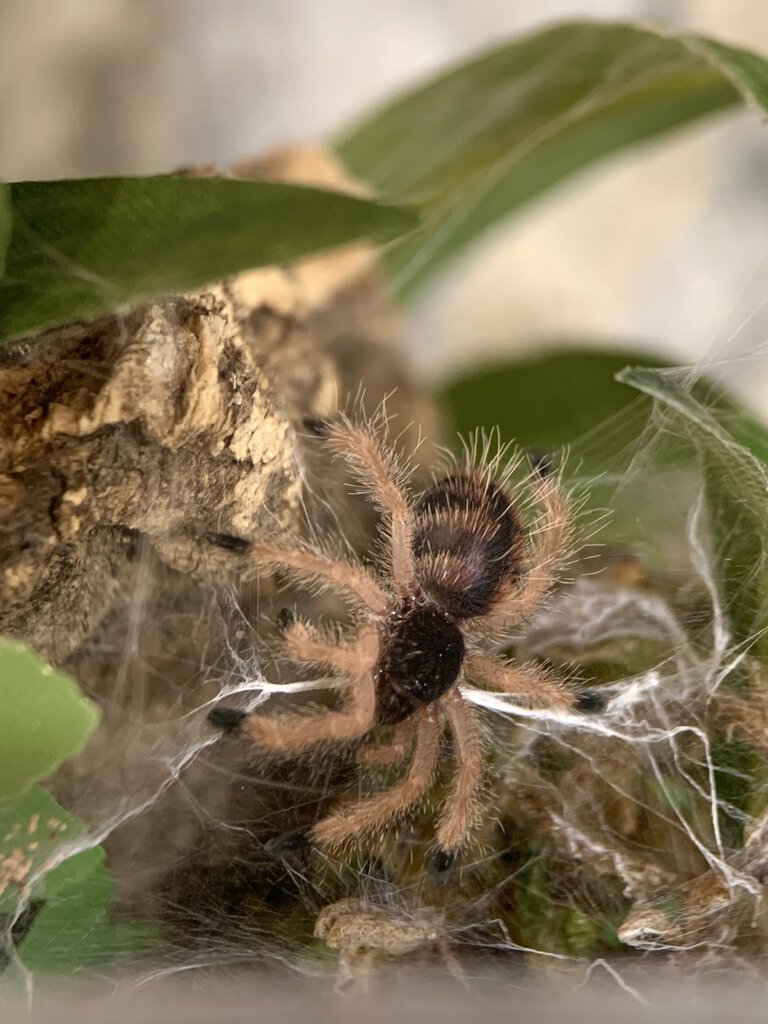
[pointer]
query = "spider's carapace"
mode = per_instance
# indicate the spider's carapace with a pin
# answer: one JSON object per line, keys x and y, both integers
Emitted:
{"x": 422, "y": 655}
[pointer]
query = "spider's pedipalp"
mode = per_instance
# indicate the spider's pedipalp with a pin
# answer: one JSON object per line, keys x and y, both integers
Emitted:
{"x": 538, "y": 688}
{"x": 377, "y": 470}
{"x": 228, "y": 719}
{"x": 289, "y": 844}
{"x": 441, "y": 864}
{"x": 379, "y": 810}
{"x": 462, "y": 808}
{"x": 314, "y": 567}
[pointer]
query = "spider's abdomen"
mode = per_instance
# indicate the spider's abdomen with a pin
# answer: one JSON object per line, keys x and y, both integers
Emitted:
{"x": 469, "y": 541}
{"x": 422, "y": 659}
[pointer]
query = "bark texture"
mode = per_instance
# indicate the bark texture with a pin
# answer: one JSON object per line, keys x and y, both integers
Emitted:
{"x": 178, "y": 422}
{"x": 128, "y": 448}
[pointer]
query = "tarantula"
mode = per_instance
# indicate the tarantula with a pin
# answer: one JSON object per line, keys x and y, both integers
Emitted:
{"x": 461, "y": 566}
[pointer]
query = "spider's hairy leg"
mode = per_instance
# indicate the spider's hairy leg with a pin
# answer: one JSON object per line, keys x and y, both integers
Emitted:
{"x": 290, "y": 733}
{"x": 401, "y": 745}
{"x": 462, "y": 808}
{"x": 377, "y": 811}
{"x": 305, "y": 644}
{"x": 538, "y": 688}
{"x": 546, "y": 548}
{"x": 314, "y": 567}
{"x": 377, "y": 470}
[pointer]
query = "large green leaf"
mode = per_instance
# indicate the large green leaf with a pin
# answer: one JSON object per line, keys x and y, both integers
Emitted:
{"x": 568, "y": 403}
{"x": 748, "y": 71}
{"x": 475, "y": 144}
{"x": 74, "y": 928}
{"x": 48, "y": 865}
{"x": 44, "y": 718}
{"x": 36, "y": 838}
{"x": 570, "y": 397}
{"x": 635, "y": 482}
{"x": 736, "y": 484}
{"x": 548, "y": 401}
{"x": 79, "y": 248}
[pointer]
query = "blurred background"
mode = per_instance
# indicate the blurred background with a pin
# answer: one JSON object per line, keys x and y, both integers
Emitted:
{"x": 663, "y": 249}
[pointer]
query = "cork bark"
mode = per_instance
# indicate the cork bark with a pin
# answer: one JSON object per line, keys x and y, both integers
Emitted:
{"x": 181, "y": 420}
{"x": 128, "y": 447}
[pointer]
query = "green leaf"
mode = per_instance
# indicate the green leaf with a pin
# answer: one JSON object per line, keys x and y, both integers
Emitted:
{"x": 35, "y": 836}
{"x": 73, "y": 929}
{"x": 44, "y": 718}
{"x": 67, "y": 888}
{"x": 570, "y": 398}
{"x": 613, "y": 457}
{"x": 746, "y": 70}
{"x": 566, "y": 401}
{"x": 736, "y": 490}
{"x": 480, "y": 141}
{"x": 80, "y": 248}
{"x": 550, "y": 401}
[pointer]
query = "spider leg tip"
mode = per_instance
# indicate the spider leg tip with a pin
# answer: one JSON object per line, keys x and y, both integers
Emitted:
{"x": 591, "y": 702}
{"x": 289, "y": 843}
{"x": 228, "y": 719}
{"x": 316, "y": 426}
{"x": 441, "y": 865}
{"x": 541, "y": 462}
{"x": 285, "y": 619}
{"x": 228, "y": 542}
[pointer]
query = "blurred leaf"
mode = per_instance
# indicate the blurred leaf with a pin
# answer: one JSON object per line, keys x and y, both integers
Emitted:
{"x": 69, "y": 893}
{"x": 44, "y": 718}
{"x": 73, "y": 928}
{"x": 5, "y": 223}
{"x": 478, "y": 142}
{"x": 736, "y": 484}
{"x": 80, "y": 248}
{"x": 535, "y": 913}
{"x": 634, "y": 482}
{"x": 34, "y": 836}
{"x": 670, "y": 794}
{"x": 571, "y": 398}
{"x": 566, "y": 402}
{"x": 549, "y": 401}
{"x": 748, "y": 71}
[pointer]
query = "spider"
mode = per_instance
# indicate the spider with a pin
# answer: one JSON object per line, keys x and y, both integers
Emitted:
{"x": 460, "y": 566}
